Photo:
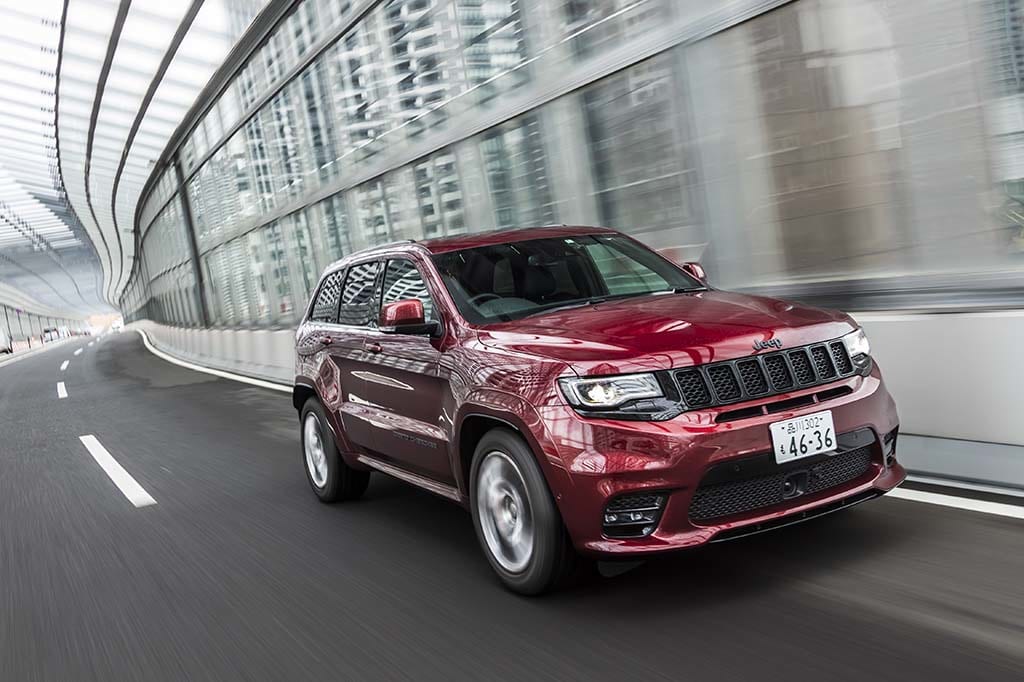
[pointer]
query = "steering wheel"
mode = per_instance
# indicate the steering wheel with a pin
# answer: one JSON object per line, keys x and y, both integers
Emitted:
{"x": 483, "y": 298}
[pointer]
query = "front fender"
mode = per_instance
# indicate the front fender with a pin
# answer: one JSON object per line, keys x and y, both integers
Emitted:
{"x": 521, "y": 416}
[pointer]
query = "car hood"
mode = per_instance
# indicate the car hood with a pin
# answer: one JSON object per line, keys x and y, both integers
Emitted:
{"x": 664, "y": 331}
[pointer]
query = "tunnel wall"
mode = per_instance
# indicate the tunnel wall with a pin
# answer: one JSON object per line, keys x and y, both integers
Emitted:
{"x": 846, "y": 148}
{"x": 856, "y": 154}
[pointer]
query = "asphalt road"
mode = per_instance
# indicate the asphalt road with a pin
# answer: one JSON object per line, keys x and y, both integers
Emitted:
{"x": 239, "y": 573}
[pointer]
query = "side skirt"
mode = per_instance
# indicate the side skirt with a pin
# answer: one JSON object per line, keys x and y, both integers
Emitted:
{"x": 428, "y": 484}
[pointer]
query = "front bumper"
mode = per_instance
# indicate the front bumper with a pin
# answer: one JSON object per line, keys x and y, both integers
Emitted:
{"x": 603, "y": 460}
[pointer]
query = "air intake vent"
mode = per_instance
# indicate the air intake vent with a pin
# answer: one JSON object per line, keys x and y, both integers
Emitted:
{"x": 752, "y": 494}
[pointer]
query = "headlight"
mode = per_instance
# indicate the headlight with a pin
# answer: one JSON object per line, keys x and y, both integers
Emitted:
{"x": 857, "y": 343}
{"x": 608, "y": 392}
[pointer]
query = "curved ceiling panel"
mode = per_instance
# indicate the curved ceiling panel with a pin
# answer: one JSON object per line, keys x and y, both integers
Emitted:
{"x": 129, "y": 71}
{"x": 47, "y": 263}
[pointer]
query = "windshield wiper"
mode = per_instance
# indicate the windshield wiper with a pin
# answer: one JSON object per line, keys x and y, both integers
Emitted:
{"x": 566, "y": 306}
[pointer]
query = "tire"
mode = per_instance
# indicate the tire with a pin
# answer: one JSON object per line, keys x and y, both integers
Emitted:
{"x": 510, "y": 502}
{"x": 330, "y": 477}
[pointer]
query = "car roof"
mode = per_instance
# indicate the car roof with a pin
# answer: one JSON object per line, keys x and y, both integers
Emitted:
{"x": 507, "y": 236}
{"x": 470, "y": 241}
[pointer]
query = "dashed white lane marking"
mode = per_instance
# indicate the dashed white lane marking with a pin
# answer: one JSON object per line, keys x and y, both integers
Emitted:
{"x": 64, "y": 365}
{"x": 997, "y": 508}
{"x": 62, "y": 390}
{"x": 131, "y": 489}
{"x": 90, "y": 343}
{"x": 78, "y": 352}
{"x": 207, "y": 370}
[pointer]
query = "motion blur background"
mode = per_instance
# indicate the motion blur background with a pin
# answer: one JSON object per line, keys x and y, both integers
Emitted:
{"x": 194, "y": 165}
{"x": 203, "y": 162}
{"x": 839, "y": 148}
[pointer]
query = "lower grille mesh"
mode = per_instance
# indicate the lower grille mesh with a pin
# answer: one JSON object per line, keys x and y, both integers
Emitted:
{"x": 738, "y": 497}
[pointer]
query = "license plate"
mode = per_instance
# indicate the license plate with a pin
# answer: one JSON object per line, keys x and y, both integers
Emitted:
{"x": 804, "y": 436}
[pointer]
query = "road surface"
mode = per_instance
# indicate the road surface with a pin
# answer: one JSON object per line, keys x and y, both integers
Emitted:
{"x": 226, "y": 567}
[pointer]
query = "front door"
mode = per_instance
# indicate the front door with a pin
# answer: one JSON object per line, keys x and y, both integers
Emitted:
{"x": 403, "y": 385}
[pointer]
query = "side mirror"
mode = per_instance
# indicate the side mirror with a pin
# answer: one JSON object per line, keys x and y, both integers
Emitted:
{"x": 695, "y": 270}
{"x": 405, "y": 317}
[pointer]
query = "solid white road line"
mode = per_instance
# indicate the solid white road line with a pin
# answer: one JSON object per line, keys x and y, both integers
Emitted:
{"x": 965, "y": 485}
{"x": 135, "y": 493}
{"x": 78, "y": 352}
{"x": 25, "y": 354}
{"x": 62, "y": 390}
{"x": 903, "y": 494}
{"x": 64, "y": 365}
{"x": 997, "y": 508}
{"x": 207, "y": 370}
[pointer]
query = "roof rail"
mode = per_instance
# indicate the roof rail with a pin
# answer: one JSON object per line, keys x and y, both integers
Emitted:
{"x": 370, "y": 249}
{"x": 381, "y": 247}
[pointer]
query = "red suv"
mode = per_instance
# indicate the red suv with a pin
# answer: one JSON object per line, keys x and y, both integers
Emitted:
{"x": 581, "y": 393}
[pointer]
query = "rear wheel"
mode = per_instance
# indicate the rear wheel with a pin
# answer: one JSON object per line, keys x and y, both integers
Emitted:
{"x": 328, "y": 474}
{"x": 515, "y": 517}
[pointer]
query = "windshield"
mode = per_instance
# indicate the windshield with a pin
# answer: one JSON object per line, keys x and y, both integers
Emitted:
{"x": 511, "y": 281}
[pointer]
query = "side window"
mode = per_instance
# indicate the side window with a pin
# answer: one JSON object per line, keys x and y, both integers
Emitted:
{"x": 403, "y": 280}
{"x": 357, "y": 294}
{"x": 325, "y": 307}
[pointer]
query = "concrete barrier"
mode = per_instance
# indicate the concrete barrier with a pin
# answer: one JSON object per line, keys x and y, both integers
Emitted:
{"x": 262, "y": 353}
{"x": 955, "y": 377}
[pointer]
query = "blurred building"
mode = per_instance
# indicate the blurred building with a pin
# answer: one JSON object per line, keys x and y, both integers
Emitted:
{"x": 863, "y": 153}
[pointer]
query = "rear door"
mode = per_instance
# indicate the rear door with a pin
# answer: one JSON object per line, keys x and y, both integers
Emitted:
{"x": 346, "y": 344}
{"x": 403, "y": 385}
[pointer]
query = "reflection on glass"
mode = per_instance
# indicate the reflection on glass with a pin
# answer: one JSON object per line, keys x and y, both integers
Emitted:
{"x": 517, "y": 174}
{"x": 640, "y": 169}
{"x": 824, "y": 140}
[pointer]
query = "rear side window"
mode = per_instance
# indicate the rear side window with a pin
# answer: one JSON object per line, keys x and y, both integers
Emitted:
{"x": 325, "y": 307}
{"x": 402, "y": 280}
{"x": 357, "y": 294}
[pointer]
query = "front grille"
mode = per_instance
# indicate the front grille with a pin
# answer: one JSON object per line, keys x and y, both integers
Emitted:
{"x": 840, "y": 357}
{"x": 752, "y": 376}
{"x": 693, "y": 387}
{"x": 802, "y": 367}
{"x": 743, "y": 496}
{"x": 823, "y": 362}
{"x": 731, "y": 381}
{"x": 778, "y": 371}
{"x": 724, "y": 382}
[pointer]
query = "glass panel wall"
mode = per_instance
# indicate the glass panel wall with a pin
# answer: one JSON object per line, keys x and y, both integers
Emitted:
{"x": 820, "y": 147}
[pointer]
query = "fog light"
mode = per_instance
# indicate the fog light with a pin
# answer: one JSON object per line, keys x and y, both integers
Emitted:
{"x": 633, "y": 515}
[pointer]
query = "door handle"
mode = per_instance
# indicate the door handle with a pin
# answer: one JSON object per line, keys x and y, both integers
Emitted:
{"x": 374, "y": 347}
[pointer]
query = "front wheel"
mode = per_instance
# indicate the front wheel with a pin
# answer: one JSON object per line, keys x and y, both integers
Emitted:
{"x": 515, "y": 517}
{"x": 331, "y": 479}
